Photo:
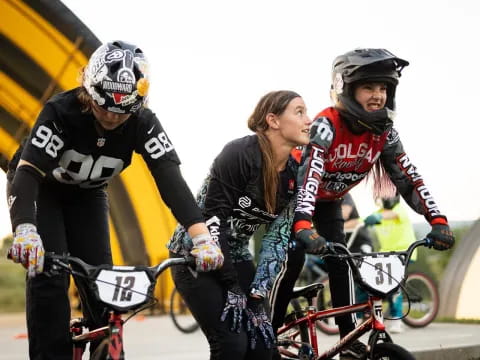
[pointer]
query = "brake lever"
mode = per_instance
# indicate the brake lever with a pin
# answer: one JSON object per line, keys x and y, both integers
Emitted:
{"x": 54, "y": 265}
{"x": 330, "y": 248}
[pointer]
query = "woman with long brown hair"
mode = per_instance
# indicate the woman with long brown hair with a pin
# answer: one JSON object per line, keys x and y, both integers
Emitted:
{"x": 251, "y": 183}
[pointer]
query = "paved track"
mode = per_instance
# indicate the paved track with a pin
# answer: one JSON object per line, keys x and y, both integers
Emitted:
{"x": 148, "y": 338}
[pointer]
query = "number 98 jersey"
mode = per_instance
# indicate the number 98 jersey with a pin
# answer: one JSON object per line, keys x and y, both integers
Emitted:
{"x": 66, "y": 144}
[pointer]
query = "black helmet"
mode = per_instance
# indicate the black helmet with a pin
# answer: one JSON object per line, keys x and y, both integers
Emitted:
{"x": 390, "y": 202}
{"x": 116, "y": 77}
{"x": 360, "y": 66}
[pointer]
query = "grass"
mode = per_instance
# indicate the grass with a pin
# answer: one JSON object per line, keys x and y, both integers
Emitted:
{"x": 12, "y": 282}
{"x": 12, "y": 286}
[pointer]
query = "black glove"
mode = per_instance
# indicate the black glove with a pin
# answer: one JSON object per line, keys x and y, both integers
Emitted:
{"x": 235, "y": 303}
{"x": 258, "y": 322}
{"x": 311, "y": 241}
{"x": 442, "y": 237}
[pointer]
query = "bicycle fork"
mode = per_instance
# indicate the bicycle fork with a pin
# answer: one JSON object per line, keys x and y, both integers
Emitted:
{"x": 115, "y": 343}
{"x": 378, "y": 326}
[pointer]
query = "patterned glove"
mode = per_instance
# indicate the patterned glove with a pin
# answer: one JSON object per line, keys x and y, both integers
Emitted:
{"x": 236, "y": 303}
{"x": 258, "y": 322}
{"x": 373, "y": 219}
{"x": 442, "y": 237}
{"x": 311, "y": 241}
{"x": 207, "y": 253}
{"x": 27, "y": 249}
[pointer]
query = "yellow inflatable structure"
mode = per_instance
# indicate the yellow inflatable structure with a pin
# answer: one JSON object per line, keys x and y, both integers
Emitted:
{"x": 43, "y": 47}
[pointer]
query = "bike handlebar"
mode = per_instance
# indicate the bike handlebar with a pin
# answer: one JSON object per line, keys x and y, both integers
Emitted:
{"x": 134, "y": 285}
{"x": 333, "y": 249}
{"x": 64, "y": 262}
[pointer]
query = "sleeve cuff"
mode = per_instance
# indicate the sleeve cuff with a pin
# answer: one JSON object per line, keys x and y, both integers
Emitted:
{"x": 439, "y": 220}
{"x": 301, "y": 225}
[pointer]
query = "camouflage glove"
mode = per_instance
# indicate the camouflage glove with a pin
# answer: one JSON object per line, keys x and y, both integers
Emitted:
{"x": 258, "y": 323}
{"x": 27, "y": 249}
{"x": 207, "y": 253}
{"x": 235, "y": 304}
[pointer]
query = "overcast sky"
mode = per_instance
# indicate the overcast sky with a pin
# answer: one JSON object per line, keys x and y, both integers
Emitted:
{"x": 211, "y": 61}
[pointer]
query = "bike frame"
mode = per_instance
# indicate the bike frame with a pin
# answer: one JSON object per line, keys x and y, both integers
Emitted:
{"x": 115, "y": 344}
{"x": 374, "y": 323}
{"x": 373, "y": 306}
{"x": 114, "y": 330}
{"x": 80, "y": 339}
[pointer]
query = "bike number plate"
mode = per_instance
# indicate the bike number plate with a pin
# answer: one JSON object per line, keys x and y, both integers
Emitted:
{"x": 123, "y": 289}
{"x": 382, "y": 273}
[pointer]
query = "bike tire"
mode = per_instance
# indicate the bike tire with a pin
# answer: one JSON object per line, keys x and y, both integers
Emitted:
{"x": 389, "y": 351}
{"x": 324, "y": 300}
{"x": 180, "y": 314}
{"x": 296, "y": 341}
{"x": 303, "y": 329}
{"x": 101, "y": 352}
{"x": 424, "y": 300}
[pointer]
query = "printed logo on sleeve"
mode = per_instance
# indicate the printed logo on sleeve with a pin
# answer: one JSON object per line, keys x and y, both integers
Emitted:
{"x": 44, "y": 138}
{"x": 244, "y": 202}
{"x": 159, "y": 145}
{"x": 392, "y": 137}
{"x": 11, "y": 199}
{"x": 324, "y": 130}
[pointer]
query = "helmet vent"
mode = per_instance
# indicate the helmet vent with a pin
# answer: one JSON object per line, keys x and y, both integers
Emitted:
{"x": 115, "y": 67}
{"x": 137, "y": 73}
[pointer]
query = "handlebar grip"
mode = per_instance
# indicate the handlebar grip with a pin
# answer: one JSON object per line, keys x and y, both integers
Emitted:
{"x": 428, "y": 242}
{"x": 190, "y": 261}
{"x": 54, "y": 263}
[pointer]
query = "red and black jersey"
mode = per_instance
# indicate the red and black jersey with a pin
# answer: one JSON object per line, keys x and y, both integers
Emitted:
{"x": 337, "y": 159}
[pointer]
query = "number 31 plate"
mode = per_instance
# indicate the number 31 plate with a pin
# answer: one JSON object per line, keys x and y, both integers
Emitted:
{"x": 382, "y": 273}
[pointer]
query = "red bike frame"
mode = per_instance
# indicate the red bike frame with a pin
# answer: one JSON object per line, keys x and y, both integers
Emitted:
{"x": 373, "y": 307}
{"x": 114, "y": 331}
{"x": 80, "y": 339}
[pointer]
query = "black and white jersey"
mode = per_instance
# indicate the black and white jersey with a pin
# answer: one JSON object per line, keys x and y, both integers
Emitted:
{"x": 233, "y": 204}
{"x": 66, "y": 145}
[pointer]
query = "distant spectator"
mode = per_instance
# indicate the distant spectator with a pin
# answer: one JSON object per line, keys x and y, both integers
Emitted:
{"x": 394, "y": 231}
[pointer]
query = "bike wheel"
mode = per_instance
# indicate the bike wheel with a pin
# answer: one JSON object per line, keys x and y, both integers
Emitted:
{"x": 389, "y": 351}
{"x": 299, "y": 312}
{"x": 180, "y": 314}
{"x": 424, "y": 300}
{"x": 101, "y": 352}
{"x": 295, "y": 342}
{"x": 324, "y": 301}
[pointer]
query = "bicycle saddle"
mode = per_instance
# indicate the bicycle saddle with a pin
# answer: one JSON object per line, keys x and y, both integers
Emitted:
{"x": 309, "y": 291}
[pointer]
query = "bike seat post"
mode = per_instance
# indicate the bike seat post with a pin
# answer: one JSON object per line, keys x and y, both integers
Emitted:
{"x": 76, "y": 328}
